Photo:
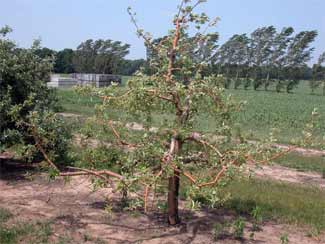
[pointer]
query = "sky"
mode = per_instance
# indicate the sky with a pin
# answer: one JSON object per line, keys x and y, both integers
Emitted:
{"x": 66, "y": 23}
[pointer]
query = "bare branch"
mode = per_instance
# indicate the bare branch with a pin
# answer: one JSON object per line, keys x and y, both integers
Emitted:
{"x": 145, "y": 198}
{"x": 107, "y": 98}
{"x": 197, "y": 138}
{"x": 40, "y": 148}
{"x": 118, "y": 137}
{"x": 218, "y": 177}
{"x": 102, "y": 172}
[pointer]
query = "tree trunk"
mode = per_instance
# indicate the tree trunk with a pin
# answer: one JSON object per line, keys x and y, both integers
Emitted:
{"x": 246, "y": 81}
{"x": 236, "y": 80}
{"x": 323, "y": 88}
{"x": 267, "y": 81}
{"x": 173, "y": 190}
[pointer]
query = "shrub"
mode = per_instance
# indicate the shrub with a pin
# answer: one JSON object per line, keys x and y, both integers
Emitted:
{"x": 25, "y": 99}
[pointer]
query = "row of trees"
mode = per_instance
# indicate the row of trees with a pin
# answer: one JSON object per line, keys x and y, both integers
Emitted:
{"x": 94, "y": 56}
{"x": 265, "y": 57}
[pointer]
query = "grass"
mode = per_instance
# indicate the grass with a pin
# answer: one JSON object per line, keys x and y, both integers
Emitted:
{"x": 287, "y": 202}
{"x": 22, "y": 232}
{"x": 303, "y": 163}
{"x": 71, "y": 102}
{"x": 32, "y": 232}
{"x": 287, "y": 112}
{"x": 276, "y": 201}
{"x": 4, "y": 215}
{"x": 125, "y": 79}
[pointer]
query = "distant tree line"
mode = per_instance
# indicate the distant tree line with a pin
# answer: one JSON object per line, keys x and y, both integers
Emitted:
{"x": 99, "y": 56}
{"x": 263, "y": 59}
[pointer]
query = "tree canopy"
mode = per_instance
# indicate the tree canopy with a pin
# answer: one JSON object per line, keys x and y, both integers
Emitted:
{"x": 24, "y": 97}
{"x": 100, "y": 56}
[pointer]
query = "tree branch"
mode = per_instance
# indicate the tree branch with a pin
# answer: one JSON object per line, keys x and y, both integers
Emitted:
{"x": 217, "y": 178}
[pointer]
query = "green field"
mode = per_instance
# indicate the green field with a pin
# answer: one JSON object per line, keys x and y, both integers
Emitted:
{"x": 289, "y": 113}
{"x": 279, "y": 201}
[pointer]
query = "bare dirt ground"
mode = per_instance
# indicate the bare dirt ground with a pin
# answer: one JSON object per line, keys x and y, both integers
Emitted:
{"x": 76, "y": 211}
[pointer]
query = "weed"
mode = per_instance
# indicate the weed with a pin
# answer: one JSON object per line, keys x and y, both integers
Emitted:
{"x": 162, "y": 206}
{"x": 4, "y": 215}
{"x": 257, "y": 218}
{"x": 218, "y": 231}
{"x": 109, "y": 209}
{"x": 239, "y": 225}
{"x": 284, "y": 238}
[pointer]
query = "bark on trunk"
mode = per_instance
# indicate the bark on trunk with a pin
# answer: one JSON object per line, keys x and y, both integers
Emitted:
{"x": 173, "y": 189}
{"x": 267, "y": 81}
{"x": 237, "y": 83}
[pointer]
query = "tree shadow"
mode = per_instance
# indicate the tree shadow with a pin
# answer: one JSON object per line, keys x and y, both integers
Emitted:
{"x": 15, "y": 170}
{"x": 153, "y": 225}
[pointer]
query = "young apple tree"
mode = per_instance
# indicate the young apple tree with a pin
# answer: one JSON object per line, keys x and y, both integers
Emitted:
{"x": 183, "y": 135}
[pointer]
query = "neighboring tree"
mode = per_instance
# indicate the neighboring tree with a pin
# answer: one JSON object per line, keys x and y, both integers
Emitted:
{"x": 226, "y": 58}
{"x": 199, "y": 50}
{"x": 25, "y": 99}
{"x": 299, "y": 53}
{"x": 264, "y": 58}
{"x": 278, "y": 55}
{"x": 321, "y": 61}
{"x": 100, "y": 56}
{"x": 261, "y": 41}
{"x": 318, "y": 75}
{"x": 130, "y": 67}
{"x": 45, "y": 53}
{"x": 64, "y": 62}
{"x": 152, "y": 55}
{"x": 240, "y": 44}
{"x": 203, "y": 49}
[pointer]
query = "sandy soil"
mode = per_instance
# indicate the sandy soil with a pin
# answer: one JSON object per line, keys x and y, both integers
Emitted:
{"x": 75, "y": 210}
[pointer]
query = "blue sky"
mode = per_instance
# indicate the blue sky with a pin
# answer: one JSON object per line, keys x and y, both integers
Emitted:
{"x": 65, "y": 23}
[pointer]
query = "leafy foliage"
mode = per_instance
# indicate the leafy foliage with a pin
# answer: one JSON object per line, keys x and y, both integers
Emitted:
{"x": 264, "y": 58}
{"x": 318, "y": 75}
{"x": 64, "y": 61}
{"x": 25, "y": 97}
{"x": 100, "y": 56}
